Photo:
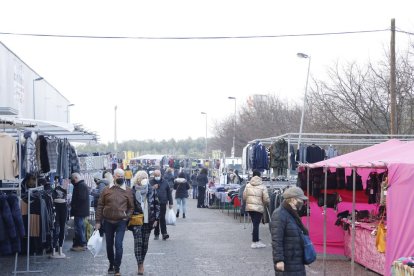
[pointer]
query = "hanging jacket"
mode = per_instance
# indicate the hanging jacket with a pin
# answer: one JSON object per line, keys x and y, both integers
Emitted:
{"x": 255, "y": 195}
{"x": 261, "y": 161}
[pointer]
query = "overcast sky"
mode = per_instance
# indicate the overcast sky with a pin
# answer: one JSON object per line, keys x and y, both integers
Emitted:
{"x": 162, "y": 86}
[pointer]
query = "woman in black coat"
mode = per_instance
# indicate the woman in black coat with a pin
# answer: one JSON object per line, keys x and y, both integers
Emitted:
{"x": 181, "y": 186}
{"x": 287, "y": 241}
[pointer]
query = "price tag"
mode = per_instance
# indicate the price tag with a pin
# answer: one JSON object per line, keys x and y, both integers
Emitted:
{"x": 385, "y": 192}
{"x": 371, "y": 191}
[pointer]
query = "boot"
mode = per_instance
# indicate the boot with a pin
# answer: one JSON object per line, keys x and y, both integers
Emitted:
{"x": 183, "y": 215}
{"x": 178, "y": 214}
{"x": 141, "y": 269}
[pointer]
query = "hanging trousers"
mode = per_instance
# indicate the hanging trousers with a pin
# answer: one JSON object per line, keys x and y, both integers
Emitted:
{"x": 61, "y": 211}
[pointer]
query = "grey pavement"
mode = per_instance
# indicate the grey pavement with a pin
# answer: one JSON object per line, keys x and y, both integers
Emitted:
{"x": 207, "y": 242}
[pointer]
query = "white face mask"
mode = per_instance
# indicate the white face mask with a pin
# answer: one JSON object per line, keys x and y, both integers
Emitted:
{"x": 158, "y": 178}
{"x": 144, "y": 182}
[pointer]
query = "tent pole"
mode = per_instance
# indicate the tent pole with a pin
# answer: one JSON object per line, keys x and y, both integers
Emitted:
{"x": 324, "y": 220}
{"x": 308, "y": 206}
{"x": 353, "y": 223}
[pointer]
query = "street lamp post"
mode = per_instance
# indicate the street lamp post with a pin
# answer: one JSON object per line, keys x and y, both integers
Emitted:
{"x": 67, "y": 112}
{"x": 204, "y": 113}
{"x": 115, "y": 136}
{"x": 302, "y": 55}
{"x": 34, "y": 102}
{"x": 233, "y": 149}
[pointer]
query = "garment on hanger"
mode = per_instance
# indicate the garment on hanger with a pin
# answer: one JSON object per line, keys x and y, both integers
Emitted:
{"x": 9, "y": 163}
{"x": 12, "y": 229}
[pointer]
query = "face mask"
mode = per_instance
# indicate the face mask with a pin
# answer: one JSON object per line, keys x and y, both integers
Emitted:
{"x": 119, "y": 181}
{"x": 144, "y": 182}
{"x": 299, "y": 205}
{"x": 158, "y": 178}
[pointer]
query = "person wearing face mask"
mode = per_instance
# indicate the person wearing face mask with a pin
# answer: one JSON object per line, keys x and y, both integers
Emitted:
{"x": 115, "y": 207}
{"x": 285, "y": 228}
{"x": 79, "y": 210}
{"x": 163, "y": 191}
{"x": 256, "y": 197}
{"x": 145, "y": 202}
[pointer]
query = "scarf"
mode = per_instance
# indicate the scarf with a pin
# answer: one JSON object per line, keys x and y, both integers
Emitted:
{"x": 141, "y": 193}
{"x": 295, "y": 215}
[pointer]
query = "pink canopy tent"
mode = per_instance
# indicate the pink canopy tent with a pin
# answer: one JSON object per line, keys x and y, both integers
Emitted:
{"x": 398, "y": 158}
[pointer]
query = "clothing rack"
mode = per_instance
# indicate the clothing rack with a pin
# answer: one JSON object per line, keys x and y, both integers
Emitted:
{"x": 330, "y": 139}
{"x": 29, "y": 192}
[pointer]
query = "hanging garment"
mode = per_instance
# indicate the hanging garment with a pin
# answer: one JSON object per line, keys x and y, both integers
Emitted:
{"x": 52, "y": 154}
{"x": 44, "y": 158}
{"x": 9, "y": 164}
{"x": 31, "y": 165}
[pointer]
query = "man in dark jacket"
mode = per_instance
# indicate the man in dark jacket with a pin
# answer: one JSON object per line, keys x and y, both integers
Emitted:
{"x": 79, "y": 210}
{"x": 161, "y": 186}
{"x": 202, "y": 181}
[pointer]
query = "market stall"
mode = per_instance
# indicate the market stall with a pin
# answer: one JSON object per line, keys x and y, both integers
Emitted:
{"x": 396, "y": 157}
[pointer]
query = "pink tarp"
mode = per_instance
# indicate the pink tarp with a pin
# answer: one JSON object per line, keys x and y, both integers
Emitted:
{"x": 398, "y": 157}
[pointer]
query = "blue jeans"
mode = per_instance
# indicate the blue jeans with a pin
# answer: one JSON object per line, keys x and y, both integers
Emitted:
{"x": 195, "y": 191}
{"x": 80, "y": 236}
{"x": 115, "y": 231}
{"x": 183, "y": 203}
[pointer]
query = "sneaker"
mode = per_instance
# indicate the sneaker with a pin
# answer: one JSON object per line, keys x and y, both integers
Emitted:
{"x": 111, "y": 269}
{"x": 165, "y": 237}
{"x": 254, "y": 245}
{"x": 259, "y": 244}
{"x": 117, "y": 272}
{"x": 156, "y": 238}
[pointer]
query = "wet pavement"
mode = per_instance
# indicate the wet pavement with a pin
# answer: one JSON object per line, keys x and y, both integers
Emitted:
{"x": 207, "y": 242}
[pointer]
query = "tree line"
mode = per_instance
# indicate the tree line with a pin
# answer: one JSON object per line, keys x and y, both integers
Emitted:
{"x": 351, "y": 98}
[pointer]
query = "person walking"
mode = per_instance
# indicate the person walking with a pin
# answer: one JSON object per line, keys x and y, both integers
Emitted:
{"x": 181, "y": 186}
{"x": 79, "y": 210}
{"x": 128, "y": 176}
{"x": 100, "y": 186}
{"x": 169, "y": 177}
{"x": 256, "y": 196}
{"x": 194, "y": 185}
{"x": 115, "y": 207}
{"x": 145, "y": 202}
{"x": 202, "y": 181}
{"x": 285, "y": 229}
{"x": 163, "y": 191}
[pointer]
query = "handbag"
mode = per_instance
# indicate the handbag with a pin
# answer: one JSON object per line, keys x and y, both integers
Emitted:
{"x": 309, "y": 253}
{"x": 381, "y": 242}
{"x": 136, "y": 220}
{"x": 332, "y": 200}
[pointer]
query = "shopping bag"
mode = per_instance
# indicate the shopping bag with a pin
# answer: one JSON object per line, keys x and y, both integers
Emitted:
{"x": 170, "y": 217}
{"x": 381, "y": 238}
{"x": 95, "y": 243}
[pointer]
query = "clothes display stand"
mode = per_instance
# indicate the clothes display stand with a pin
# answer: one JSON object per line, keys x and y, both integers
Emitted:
{"x": 29, "y": 192}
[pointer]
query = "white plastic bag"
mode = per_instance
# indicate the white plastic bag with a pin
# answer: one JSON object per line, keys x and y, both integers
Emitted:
{"x": 95, "y": 243}
{"x": 170, "y": 217}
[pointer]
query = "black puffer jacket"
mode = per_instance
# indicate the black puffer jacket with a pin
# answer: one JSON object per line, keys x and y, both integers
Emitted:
{"x": 80, "y": 200}
{"x": 181, "y": 186}
{"x": 287, "y": 243}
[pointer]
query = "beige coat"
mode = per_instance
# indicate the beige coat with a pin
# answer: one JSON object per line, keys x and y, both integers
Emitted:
{"x": 255, "y": 195}
{"x": 9, "y": 165}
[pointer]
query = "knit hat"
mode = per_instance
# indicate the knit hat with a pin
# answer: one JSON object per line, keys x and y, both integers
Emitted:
{"x": 294, "y": 192}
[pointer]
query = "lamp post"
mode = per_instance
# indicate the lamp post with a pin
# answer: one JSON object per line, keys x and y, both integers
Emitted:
{"x": 204, "y": 113}
{"x": 233, "y": 149}
{"x": 302, "y": 55}
{"x": 34, "y": 102}
{"x": 67, "y": 111}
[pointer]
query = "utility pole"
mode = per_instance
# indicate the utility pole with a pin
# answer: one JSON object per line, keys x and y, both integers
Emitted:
{"x": 393, "y": 81}
{"x": 115, "y": 138}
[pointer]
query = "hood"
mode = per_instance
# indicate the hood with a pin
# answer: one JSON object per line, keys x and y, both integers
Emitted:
{"x": 104, "y": 181}
{"x": 180, "y": 180}
{"x": 256, "y": 181}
